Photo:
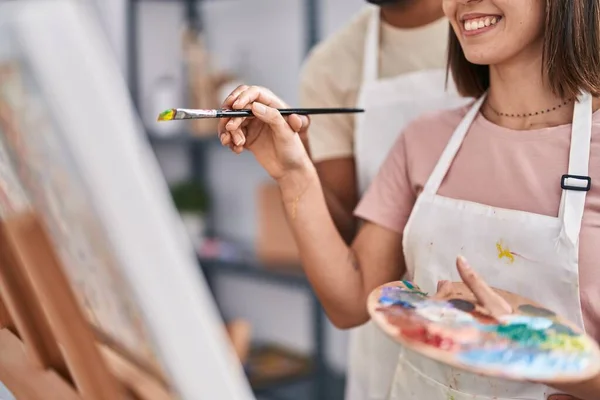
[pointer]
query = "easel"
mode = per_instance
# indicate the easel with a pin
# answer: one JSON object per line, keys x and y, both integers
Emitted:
{"x": 47, "y": 348}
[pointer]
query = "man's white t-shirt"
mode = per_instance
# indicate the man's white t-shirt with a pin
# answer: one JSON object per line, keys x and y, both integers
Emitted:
{"x": 332, "y": 74}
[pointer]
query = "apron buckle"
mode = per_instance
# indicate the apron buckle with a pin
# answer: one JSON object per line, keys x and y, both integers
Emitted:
{"x": 567, "y": 182}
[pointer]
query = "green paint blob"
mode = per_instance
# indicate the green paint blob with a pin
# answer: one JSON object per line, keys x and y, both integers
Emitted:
{"x": 522, "y": 334}
{"x": 408, "y": 284}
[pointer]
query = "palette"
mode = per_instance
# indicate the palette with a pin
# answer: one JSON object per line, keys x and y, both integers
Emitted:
{"x": 532, "y": 344}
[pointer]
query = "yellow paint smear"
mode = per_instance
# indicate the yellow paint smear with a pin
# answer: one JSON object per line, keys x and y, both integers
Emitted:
{"x": 166, "y": 115}
{"x": 562, "y": 341}
{"x": 504, "y": 253}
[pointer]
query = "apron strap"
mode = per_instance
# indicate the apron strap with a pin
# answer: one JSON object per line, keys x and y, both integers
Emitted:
{"x": 443, "y": 165}
{"x": 577, "y": 182}
{"x": 371, "y": 53}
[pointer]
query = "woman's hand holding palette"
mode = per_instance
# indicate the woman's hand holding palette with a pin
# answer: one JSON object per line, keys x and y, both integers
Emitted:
{"x": 531, "y": 344}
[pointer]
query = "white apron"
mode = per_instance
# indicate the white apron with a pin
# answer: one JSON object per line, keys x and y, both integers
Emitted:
{"x": 389, "y": 104}
{"x": 543, "y": 265}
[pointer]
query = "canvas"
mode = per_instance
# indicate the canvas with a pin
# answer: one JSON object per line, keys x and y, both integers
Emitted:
{"x": 73, "y": 150}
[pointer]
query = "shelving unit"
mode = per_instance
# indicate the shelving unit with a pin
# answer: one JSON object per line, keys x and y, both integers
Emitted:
{"x": 317, "y": 382}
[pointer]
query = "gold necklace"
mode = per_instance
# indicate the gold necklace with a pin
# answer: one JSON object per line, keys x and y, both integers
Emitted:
{"x": 531, "y": 114}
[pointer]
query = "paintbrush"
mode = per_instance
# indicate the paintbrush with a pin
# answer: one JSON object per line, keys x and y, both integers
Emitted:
{"x": 173, "y": 114}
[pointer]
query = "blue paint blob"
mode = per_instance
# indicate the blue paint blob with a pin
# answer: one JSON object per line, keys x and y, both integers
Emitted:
{"x": 390, "y": 301}
{"x": 402, "y": 297}
{"x": 526, "y": 362}
{"x": 531, "y": 322}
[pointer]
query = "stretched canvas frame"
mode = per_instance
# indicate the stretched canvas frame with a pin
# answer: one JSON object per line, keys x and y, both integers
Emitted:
{"x": 78, "y": 156}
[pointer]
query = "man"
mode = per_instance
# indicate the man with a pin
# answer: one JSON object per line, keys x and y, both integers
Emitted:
{"x": 391, "y": 61}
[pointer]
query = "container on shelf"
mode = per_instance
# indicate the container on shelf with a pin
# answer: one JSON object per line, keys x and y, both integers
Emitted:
{"x": 275, "y": 244}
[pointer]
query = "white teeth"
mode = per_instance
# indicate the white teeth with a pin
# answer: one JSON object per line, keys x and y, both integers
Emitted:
{"x": 475, "y": 24}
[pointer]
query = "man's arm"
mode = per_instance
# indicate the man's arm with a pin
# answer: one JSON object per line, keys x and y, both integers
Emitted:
{"x": 338, "y": 178}
{"x": 330, "y": 140}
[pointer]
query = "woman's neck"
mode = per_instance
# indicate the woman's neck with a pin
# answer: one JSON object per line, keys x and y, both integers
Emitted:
{"x": 518, "y": 88}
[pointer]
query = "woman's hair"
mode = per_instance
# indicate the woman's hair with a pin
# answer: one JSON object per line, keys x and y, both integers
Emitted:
{"x": 571, "y": 55}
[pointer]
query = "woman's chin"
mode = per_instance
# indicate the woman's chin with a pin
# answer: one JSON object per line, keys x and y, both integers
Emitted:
{"x": 483, "y": 58}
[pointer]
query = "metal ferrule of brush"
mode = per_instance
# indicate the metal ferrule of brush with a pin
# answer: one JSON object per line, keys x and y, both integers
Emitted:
{"x": 194, "y": 114}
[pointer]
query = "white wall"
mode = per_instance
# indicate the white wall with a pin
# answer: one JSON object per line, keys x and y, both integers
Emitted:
{"x": 264, "y": 41}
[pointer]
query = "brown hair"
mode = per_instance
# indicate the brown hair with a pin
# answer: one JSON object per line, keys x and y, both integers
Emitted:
{"x": 571, "y": 55}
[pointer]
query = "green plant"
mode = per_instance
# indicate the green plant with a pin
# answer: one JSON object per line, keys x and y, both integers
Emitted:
{"x": 190, "y": 197}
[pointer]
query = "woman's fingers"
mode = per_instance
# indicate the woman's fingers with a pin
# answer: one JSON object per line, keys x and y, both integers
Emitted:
{"x": 264, "y": 104}
{"x": 229, "y": 100}
{"x": 486, "y": 296}
{"x": 260, "y": 94}
{"x": 298, "y": 123}
{"x": 238, "y": 137}
{"x": 225, "y": 138}
{"x": 247, "y": 97}
{"x": 227, "y": 105}
{"x": 271, "y": 117}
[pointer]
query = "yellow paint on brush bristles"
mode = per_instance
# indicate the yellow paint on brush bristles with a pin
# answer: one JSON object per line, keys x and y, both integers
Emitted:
{"x": 167, "y": 115}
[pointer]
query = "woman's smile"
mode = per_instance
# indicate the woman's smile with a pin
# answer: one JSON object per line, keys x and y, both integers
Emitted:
{"x": 476, "y": 24}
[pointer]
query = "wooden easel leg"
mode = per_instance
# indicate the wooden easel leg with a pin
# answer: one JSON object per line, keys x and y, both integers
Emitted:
{"x": 26, "y": 239}
{"x": 5, "y": 320}
{"x": 23, "y": 307}
{"x": 25, "y": 380}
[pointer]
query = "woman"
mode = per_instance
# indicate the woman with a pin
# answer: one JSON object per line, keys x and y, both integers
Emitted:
{"x": 496, "y": 181}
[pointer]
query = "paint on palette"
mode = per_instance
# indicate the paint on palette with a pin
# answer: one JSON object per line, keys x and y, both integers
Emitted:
{"x": 527, "y": 362}
{"x": 522, "y": 334}
{"x": 536, "y": 311}
{"x": 562, "y": 329}
{"x": 463, "y": 305}
{"x": 531, "y": 343}
{"x": 408, "y": 284}
{"x": 568, "y": 343}
{"x": 532, "y": 322}
{"x": 483, "y": 319}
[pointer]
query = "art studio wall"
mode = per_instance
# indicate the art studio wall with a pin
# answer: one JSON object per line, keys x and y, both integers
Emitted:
{"x": 263, "y": 41}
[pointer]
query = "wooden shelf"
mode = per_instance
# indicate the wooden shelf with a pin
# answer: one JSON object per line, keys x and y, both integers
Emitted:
{"x": 284, "y": 274}
{"x": 271, "y": 365}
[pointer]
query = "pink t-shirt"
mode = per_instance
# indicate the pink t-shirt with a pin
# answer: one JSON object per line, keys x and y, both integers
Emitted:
{"x": 496, "y": 166}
